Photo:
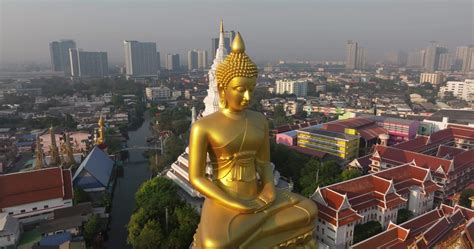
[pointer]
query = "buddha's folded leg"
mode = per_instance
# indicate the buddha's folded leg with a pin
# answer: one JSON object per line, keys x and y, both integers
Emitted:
{"x": 226, "y": 228}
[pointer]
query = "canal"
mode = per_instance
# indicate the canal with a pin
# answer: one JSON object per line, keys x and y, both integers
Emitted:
{"x": 135, "y": 173}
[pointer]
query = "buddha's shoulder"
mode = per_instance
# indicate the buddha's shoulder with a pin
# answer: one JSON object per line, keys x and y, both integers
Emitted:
{"x": 256, "y": 115}
{"x": 207, "y": 121}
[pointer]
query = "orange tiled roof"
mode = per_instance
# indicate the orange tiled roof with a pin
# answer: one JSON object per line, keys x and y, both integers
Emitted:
{"x": 33, "y": 186}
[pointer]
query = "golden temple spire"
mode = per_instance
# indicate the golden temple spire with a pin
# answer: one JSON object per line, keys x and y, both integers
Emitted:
{"x": 238, "y": 45}
{"x": 69, "y": 160}
{"x": 101, "y": 131}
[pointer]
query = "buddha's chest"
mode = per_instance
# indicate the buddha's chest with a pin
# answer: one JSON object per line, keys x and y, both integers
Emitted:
{"x": 238, "y": 137}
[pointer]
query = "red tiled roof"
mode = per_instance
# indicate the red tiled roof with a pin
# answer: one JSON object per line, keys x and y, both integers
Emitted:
{"x": 33, "y": 186}
{"x": 444, "y": 150}
{"x": 412, "y": 145}
{"x": 368, "y": 129}
{"x": 396, "y": 155}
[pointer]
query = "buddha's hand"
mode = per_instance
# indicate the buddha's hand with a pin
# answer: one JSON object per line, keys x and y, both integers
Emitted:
{"x": 267, "y": 194}
{"x": 255, "y": 205}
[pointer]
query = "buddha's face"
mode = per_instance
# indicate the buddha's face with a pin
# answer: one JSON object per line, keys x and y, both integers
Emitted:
{"x": 239, "y": 92}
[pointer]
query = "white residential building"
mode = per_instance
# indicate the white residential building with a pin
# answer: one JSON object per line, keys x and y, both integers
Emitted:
{"x": 9, "y": 231}
{"x": 460, "y": 89}
{"x": 296, "y": 87}
{"x": 157, "y": 93}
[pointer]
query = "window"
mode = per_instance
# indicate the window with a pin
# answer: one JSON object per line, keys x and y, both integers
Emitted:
{"x": 10, "y": 213}
{"x": 23, "y": 210}
{"x": 35, "y": 208}
{"x": 46, "y": 206}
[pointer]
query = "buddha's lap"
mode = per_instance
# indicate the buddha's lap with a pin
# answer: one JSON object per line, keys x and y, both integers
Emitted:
{"x": 289, "y": 211}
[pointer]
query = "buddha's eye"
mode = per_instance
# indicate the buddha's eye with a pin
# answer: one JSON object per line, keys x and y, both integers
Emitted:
{"x": 240, "y": 88}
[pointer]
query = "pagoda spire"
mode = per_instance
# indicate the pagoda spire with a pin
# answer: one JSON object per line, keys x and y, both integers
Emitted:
{"x": 39, "y": 157}
{"x": 55, "y": 160}
{"x": 211, "y": 101}
{"x": 69, "y": 161}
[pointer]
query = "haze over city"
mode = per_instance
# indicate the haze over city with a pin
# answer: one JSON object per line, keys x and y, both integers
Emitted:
{"x": 273, "y": 30}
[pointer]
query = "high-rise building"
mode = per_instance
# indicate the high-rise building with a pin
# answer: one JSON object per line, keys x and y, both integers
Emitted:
{"x": 88, "y": 64}
{"x": 172, "y": 62}
{"x": 351, "y": 55}
{"x": 192, "y": 59}
{"x": 59, "y": 51}
{"x": 361, "y": 62}
{"x": 416, "y": 59}
{"x": 431, "y": 61}
{"x": 445, "y": 62}
{"x": 228, "y": 38}
{"x": 202, "y": 59}
{"x": 296, "y": 87}
{"x": 141, "y": 59}
{"x": 397, "y": 58}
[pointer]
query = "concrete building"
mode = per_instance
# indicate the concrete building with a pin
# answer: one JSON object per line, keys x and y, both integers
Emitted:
{"x": 59, "y": 52}
{"x": 10, "y": 230}
{"x": 374, "y": 197}
{"x": 296, "y": 87}
{"x": 172, "y": 62}
{"x": 445, "y": 62}
{"x": 460, "y": 89}
{"x": 463, "y": 60}
{"x": 416, "y": 59}
{"x": 202, "y": 59}
{"x": 342, "y": 145}
{"x": 433, "y": 78}
{"x": 88, "y": 64}
{"x": 141, "y": 59}
{"x": 351, "y": 55}
{"x": 192, "y": 60}
{"x": 157, "y": 93}
{"x": 432, "y": 57}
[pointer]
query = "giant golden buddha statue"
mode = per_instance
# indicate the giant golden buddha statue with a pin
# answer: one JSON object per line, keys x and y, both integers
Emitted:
{"x": 242, "y": 207}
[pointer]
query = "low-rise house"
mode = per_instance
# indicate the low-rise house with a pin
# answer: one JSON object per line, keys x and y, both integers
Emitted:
{"x": 95, "y": 172}
{"x": 10, "y": 229}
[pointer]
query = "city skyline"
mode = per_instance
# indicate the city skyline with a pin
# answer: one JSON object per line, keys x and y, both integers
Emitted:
{"x": 309, "y": 30}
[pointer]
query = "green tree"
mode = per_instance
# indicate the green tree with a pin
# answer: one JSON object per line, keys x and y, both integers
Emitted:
{"x": 464, "y": 199}
{"x": 366, "y": 230}
{"x": 80, "y": 196}
{"x": 151, "y": 236}
{"x": 348, "y": 174}
{"x": 404, "y": 215}
{"x": 91, "y": 229}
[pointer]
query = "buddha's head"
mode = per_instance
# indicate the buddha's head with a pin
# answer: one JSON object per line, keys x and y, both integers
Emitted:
{"x": 236, "y": 78}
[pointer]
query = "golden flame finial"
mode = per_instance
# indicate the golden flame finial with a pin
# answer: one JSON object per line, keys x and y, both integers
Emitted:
{"x": 238, "y": 45}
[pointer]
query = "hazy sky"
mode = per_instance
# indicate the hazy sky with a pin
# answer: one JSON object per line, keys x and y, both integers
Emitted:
{"x": 272, "y": 30}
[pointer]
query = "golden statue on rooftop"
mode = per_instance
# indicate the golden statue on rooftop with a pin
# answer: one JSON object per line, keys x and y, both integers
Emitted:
{"x": 101, "y": 131}
{"x": 242, "y": 207}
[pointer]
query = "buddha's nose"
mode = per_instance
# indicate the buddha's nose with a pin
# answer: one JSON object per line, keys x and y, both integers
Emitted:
{"x": 247, "y": 96}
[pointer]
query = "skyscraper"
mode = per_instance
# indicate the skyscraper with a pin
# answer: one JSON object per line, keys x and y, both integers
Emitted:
{"x": 192, "y": 59}
{"x": 59, "y": 52}
{"x": 356, "y": 57}
{"x": 88, "y": 64}
{"x": 202, "y": 59}
{"x": 228, "y": 38}
{"x": 432, "y": 57}
{"x": 464, "y": 58}
{"x": 172, "y": 62}
{"x": 351, "y": 55}
{"x": 445, "y": 62}
{"x": 141, "y": 59}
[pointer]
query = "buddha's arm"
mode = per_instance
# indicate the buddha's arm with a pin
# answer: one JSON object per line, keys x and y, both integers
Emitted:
{"x": 197, "y": 171}
{"x": 265, "y": 170}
